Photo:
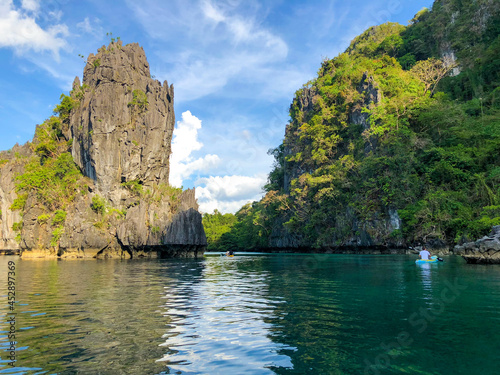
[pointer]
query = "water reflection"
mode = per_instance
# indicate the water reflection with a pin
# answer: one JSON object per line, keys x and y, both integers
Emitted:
{"x": 425, "y": 270}
{"x": 219, "y": 324}
{"x": 313, "y": 319}
{"x": 84, "y": 315}
{"x": 283, "y": 314}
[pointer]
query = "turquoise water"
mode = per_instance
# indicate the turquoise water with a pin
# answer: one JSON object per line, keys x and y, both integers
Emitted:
{"x": 260, "y": 314}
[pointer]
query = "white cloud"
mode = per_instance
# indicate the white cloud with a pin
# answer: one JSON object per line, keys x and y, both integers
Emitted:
{"x": 31, "y": 5}
{"x": 181, "y": 171}
{"x": 185, "y": 141}
{"x": 19, "y": 30}
{"x": 232, "y": 187}
{"x": 91, "y": 27}
{"x": 56, "y": 15}
{"x": 211, "y": 12}
{"x": 186, "y": 136}
{"x": 85, "y": 25}
{"x": 247, "y": 52}
{"x": 228, "y": 193}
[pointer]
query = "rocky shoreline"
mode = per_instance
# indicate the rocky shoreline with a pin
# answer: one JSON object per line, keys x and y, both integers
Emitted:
{"x": 483, "y": 251}
{"x": 151, "y": 252}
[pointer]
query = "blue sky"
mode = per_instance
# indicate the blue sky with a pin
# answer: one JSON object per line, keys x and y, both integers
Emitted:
{"x": 235, "y": 66}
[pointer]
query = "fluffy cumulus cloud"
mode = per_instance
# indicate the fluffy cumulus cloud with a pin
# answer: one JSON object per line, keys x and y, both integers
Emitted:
{"x": 228, "y": 193}
{"x": 184, "y": 143}
{"x": 19, "y": 29}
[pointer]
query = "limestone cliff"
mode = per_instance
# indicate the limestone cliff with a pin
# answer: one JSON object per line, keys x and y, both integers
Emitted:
{"x": 348, "y": 232}
{"x": 371, "y": 95}
{"x": 116, "y": 126}
{"x": 123, "y": 126}
{"x": 367, "y": 160}
{"x": 12, "y": 163}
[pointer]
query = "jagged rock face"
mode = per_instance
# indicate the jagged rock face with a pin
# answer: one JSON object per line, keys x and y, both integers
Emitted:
{"x": 186, "y": 227}
{"x": 306, "y": 100}
{"x": 371, "y": 96}
{"x": 123, "y": 124}
{"x": 483, "y": 251}
{"x": 305, "y": 104}
{"x": 475, "y": 18}
{"x": 11, "y": 165}
{"x": 350, "y": 235}
{"x": 154, "y": 223}
{"x": 282, "y": 238}
{"x": 120, "y": 124}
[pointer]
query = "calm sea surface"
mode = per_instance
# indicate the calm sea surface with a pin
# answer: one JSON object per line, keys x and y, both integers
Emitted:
{"x": 258, "y": 314}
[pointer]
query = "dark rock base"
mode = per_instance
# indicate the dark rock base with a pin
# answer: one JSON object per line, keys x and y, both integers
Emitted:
{"x": 150, "y": 252}
{"x": 368, "y": 250}
{"x": 484, "y": 251}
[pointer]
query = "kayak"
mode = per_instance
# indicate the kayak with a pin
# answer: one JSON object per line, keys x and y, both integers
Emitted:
{"x": 434, "y": 259}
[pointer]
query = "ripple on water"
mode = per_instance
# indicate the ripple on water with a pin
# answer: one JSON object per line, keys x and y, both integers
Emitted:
{"x": 219, "y": 323}
{"x": 269, "y": 314}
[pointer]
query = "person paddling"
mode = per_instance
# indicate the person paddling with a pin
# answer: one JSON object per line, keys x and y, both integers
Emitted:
{"x": 424, "y": 254}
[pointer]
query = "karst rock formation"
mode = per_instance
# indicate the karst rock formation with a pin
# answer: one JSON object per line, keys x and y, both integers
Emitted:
{"x": 119, "y": 129}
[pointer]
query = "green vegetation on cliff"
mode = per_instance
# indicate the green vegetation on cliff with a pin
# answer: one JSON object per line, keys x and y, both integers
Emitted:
{"x": 51, "y": 179}
{"x": 386, "y": 133}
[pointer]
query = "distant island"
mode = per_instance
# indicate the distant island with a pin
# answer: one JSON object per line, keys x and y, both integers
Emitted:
{"x": 93, "y": 183}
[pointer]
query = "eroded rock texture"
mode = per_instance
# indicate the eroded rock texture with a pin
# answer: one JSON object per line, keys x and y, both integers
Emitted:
{"x": 123, "y": 127}
{"x": 12, "y": 163}
{"x": 483, "y": 251}
{"x": 371, "y": 97}
{"x": 119, "y": 132}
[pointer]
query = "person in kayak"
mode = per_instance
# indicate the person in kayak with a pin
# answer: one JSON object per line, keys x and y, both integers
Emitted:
{"x": 424, "y": 254}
